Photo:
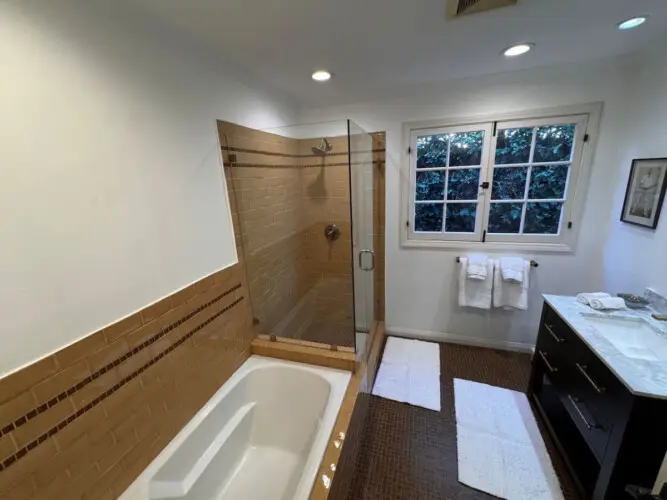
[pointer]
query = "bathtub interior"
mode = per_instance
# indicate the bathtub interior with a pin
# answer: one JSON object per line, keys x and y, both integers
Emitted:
{"x": 254, "y": 445}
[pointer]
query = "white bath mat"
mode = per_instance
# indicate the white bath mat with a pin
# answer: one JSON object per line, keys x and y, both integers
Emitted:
{"x": 500, "y": 448}
{"x": 410, "y": 373}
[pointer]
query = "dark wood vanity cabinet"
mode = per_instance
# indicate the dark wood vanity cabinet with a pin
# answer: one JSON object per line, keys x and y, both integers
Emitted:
{"x": 607, "y": 436}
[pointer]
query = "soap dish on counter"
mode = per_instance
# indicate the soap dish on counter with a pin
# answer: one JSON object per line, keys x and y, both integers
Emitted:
{"x": 634, "y": 301}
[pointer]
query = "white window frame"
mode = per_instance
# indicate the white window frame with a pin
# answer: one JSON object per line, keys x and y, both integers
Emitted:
{"x": 587, "y": 118}
{"x": 487, "y": 128}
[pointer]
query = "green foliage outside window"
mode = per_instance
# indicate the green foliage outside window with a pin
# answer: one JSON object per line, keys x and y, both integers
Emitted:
{"x": 520, "y": 147}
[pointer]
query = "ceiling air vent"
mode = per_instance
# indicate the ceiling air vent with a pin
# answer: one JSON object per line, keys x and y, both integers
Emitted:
{"x": 457, "y": 8}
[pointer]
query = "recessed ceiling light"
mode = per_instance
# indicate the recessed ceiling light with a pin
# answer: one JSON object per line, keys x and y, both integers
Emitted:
{"x": 517, "y": 50}
{"x": 321, "y": 76}
{"x": 632, "y": 23}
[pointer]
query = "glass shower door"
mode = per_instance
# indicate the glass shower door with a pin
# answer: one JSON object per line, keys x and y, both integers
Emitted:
{"x": 361, "y": 190}
{"x": 304, "y": 211}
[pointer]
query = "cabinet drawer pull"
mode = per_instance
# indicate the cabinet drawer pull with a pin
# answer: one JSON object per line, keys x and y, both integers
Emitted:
{"x": 583, "y": 369}
{"x": 553, "y": 334}
{"x": 543, "y": 355}
{"x": 580, "y": 413}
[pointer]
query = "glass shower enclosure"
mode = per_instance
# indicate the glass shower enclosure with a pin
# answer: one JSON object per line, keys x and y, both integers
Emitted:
{"x": 302, "y": 203}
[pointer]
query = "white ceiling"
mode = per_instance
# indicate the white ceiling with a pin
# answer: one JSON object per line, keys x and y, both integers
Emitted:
{"x": 382, "y": 47}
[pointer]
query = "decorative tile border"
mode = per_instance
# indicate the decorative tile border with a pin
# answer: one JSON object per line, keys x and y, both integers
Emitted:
{"x": 232, "y": 149}
{"x": 11, "y": 460}
{"x": 314, "y": 165}
{"x": 6, "y": 429}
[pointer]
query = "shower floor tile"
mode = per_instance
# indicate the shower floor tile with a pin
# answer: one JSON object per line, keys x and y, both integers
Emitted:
{"x": 409, "y": 452}
{"x": 317, "y": 318}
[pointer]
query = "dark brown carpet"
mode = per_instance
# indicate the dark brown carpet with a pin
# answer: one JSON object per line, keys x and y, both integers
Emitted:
{"x": 409, "y": 452}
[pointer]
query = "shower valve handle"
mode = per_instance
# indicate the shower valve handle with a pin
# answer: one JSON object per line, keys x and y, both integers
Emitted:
{"x": 331, "y": 232}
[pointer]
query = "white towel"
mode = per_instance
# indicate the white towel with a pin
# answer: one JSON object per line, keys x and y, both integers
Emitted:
{"x": 510, "y": 294}
{"x": 512, "y": 269}
{"x": 475, "y": 293}
{"x": 477, "y": 266}
{"x": 608, "y": 303}
{"x": 585, "y": 298}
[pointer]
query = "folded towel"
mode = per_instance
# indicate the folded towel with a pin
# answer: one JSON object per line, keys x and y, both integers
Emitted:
{"x": 607, "y": 303}
{"x": 585, "y": 298}
{"x": 477, "y": 266}
{"x": 512, "y": 269}
{"x": 510, "y": 294}
{"x": 475, "y": 293}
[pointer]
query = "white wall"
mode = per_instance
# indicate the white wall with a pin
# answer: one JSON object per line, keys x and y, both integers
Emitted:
{"x": 421, "y": 285}
{"x": 112, "y": 194}
{"x": 635, "y": 257}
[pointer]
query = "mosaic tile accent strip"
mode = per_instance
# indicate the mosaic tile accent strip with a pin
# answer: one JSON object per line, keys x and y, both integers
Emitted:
{"x": 95, "y": 443}
{"x": 314, "y": 165}
{"x": 69, "y": 392}
{"x": 64, "y": 423}
{"x": 232, "y": 149}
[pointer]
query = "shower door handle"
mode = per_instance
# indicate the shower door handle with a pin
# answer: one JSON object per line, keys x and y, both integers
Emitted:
{"x": 372, "y": 254}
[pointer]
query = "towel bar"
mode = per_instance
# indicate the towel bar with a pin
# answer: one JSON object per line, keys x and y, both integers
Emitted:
{"x": 532, "y": 262}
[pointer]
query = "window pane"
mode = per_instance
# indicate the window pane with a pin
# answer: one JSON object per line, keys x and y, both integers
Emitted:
{"x": 466, "y": 149}
{"x": 509, "y": 183}
{"x": 461, "y": 217}
{"x": 428, "y": 216}
{"x": 548, "y": 182}
{"x": 554, "y": 143}
{"x": 431, "y": 185}
{"x": 542, "y": 218}
{"x": 513, "y": 145}
{"x": 505, "y": 218}
{"x": 432, "y": 151}
{"x": 463, "y": 184}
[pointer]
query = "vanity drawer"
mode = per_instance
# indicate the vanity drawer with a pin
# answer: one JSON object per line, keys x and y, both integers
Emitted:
{"x": 553, "y": 328}
{"x": 558, "y": 343}
{"x": 593, "y": 425}
{"x": 600, "y": 386}
{"x": 554, "y": 342}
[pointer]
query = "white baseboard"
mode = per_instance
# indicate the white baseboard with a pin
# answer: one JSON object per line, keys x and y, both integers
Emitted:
{"x": 461, "y": 339}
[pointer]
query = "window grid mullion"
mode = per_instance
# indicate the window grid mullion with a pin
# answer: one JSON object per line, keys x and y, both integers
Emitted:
{"x": 444, "y": 206}
{"x": 490, "y": 166}
{"x": 530, "y": 200}
{"x": 528, "y": 176}
{"x": 535, "y": 164}
{"x": 430, "y": 169}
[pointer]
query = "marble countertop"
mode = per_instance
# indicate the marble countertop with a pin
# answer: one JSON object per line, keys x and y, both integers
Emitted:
{"x": 641, "y": 377}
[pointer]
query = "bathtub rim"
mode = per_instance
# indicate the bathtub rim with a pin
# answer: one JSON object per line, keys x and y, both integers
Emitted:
{"x": 338, "y": 380}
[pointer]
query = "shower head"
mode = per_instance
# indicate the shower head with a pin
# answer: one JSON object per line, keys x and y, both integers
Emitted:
{"x": 324, "y": 147}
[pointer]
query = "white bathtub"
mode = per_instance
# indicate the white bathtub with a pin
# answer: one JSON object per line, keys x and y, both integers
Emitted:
{"x": 261, "y": 436}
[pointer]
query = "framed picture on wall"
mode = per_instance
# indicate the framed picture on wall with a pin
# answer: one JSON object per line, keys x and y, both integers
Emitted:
{"x": 646, "y": 192}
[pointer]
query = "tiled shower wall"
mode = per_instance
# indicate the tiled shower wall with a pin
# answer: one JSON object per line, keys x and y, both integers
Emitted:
{"x": 265, "y": 194}
{"x": 86, "y": 421}
{"x": 326, "y": 194}
{"x": 283, "y": 195}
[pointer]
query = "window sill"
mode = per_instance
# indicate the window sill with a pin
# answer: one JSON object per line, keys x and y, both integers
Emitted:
{"x": 488, "y": 246}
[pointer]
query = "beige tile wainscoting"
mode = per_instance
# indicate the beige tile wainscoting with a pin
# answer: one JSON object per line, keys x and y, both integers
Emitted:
{"x": 86, "y": 421}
